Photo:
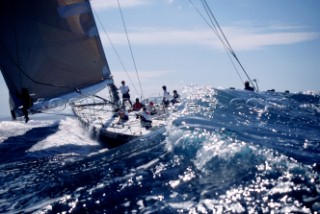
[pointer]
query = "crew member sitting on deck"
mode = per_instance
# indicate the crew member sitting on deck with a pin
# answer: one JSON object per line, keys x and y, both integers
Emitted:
{"x": 137, "y": 105}
{"x": 123, "y": 115}
{"x": 145, "y": 118}
{"x": 176, "y": 97}
{"x": 151, "y": 108}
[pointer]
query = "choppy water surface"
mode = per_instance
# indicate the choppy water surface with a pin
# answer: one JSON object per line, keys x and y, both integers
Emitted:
{"x": 228, "y": 151}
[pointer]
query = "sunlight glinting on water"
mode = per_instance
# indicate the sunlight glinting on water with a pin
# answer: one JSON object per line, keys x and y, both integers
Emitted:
{"x": 226, "y": 151}
{"x": 218, "y": 144}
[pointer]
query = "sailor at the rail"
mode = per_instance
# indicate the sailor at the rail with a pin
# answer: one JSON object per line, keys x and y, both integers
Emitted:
{"x": 145, "y": 118}
{"x": 123, "y": 115}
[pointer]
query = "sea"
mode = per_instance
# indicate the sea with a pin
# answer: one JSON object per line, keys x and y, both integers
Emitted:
{"x": 223, "y": 151}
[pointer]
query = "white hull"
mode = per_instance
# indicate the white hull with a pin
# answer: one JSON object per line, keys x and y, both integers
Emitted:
{"x": 104, "y": 123}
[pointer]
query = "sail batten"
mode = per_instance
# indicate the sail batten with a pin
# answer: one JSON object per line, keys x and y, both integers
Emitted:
{"x": 50, "y": 47}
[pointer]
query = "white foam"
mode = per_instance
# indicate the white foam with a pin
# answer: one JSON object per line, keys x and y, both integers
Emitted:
{"x": 16, "y": 128}
{"x": 70, "y": 132}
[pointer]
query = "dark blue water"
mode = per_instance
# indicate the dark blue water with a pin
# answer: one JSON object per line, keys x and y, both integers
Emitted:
{"x": 225, "y": 151}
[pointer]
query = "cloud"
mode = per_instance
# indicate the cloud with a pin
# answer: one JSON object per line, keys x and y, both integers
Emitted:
{"x": 142, "y": 74}
{"x": 241, "y": 39}
{"x": 110, "y": 4}
{"x": 257, "y": 41}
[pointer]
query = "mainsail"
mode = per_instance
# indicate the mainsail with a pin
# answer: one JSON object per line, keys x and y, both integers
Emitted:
{"x": 52, "y": 48}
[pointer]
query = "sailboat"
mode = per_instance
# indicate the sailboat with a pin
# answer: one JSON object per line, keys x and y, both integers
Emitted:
{"x": 102, "y": 119}
{"x": 53, "y": 50}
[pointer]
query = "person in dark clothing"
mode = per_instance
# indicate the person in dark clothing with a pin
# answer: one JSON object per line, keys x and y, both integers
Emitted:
{"x": 145, "y": 118}
{"x": 123, "y": 115}
{"x": 176, "y": 97}
{"x": 247, "y": 86}
{"x": 137, "y": 105}
{"x": 26, "y": 102}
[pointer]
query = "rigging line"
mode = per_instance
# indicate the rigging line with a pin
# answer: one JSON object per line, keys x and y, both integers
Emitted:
{"x": 21, "y": 70}
{"x": 235, "y": 67}
{"x": 44, "y": 83}
{"x": 214, "y": 29}
{"x": 86, "y": 96}
{"x": 214, "y": 20}
{"x": 224, "y": 41}
{"x": 27, "y": 76}
{"x": 204, "y": 19}
{"x": 225, "y": 38}
{"x": 125, "y": 28}
{"x": 115, "y": 50}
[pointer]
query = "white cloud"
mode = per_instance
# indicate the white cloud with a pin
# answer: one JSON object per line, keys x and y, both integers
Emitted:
{"x": 105, "y": 4}
{"x": 147, "y": 75}
{"x": 240, "y": 39}
{"x": 256, "y": 41}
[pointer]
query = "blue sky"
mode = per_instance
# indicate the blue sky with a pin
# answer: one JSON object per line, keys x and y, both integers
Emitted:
{"x": 277, "y": 42}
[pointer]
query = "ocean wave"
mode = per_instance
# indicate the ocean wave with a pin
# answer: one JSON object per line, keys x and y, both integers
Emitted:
{"x": 224, "y": 151}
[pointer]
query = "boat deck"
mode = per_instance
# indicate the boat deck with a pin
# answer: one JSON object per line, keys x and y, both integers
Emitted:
{"x": 105, "y": 123}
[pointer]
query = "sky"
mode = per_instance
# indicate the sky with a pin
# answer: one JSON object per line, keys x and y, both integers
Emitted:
{"x": 277, "y": 42}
